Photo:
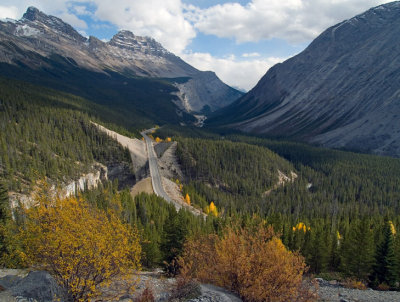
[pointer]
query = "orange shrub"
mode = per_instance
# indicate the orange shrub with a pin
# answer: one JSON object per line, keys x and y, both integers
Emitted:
{"x": 253, "y": 263}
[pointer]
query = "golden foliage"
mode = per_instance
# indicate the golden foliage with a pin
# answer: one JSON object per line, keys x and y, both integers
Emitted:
{"x": 253, "y": 263}
{"x": 158, "y": 139}
{"x": 213, "y": 209}
{"x": 187, "y": 199}
{"x": 301, "y": 227}
{"x": 82, "y": 247}
{"x": 392, "y": 228}
{"x": 13, "y": 256}
{"x": 168, "y": 139}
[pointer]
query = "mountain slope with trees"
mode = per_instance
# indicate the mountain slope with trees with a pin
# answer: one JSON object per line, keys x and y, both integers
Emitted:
{"x": 338, "y": 202}
{"x": 45, "y": 133}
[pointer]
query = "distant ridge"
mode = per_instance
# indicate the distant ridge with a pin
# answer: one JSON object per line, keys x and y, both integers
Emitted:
{"x": 38, "y": 37}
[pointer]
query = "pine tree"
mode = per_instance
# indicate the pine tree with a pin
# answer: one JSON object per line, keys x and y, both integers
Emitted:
{"x": 4, "y": 204}
{"x": 384, "y": 269}
{"x": 5, "y": 217}
{"x": 174, "y": 233}
{"x": 358, "y": 250}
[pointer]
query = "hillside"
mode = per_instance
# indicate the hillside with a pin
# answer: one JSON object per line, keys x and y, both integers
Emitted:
{"x": 135, "y": 74}
{"x": 48, "y": 134}
{"x": 331, "y": 202}
{"x": 342, "y": 91}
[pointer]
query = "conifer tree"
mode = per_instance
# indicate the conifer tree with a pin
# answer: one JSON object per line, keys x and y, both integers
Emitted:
{"x": 4, "y": 204}
{"x": 384, "y": 269}
{"x": 5, "y": 217}
{"x": 173, "y": 237}
{"x": 358, "y": 250}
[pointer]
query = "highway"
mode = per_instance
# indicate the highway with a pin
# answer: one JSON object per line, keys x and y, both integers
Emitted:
{"x": 154, "y": 171}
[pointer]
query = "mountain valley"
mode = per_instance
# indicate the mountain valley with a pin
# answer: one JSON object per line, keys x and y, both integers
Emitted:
{"x": 119, "y": 160}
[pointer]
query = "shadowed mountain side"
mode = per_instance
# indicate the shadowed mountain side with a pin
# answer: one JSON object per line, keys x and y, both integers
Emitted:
{"x": 342, "y": 91}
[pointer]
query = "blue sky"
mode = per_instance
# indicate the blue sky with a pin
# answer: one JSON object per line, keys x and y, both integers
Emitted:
{"x": 237, "y": 39}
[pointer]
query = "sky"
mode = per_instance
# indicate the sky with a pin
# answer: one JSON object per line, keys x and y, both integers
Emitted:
{"x": 239, "y": 39}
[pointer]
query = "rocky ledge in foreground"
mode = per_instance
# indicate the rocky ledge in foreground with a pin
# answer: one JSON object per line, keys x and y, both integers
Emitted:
{"x": 333, "y": 291}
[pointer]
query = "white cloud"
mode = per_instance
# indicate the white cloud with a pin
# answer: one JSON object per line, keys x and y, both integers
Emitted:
{"x": 162, "y": 20}
{"x": 80, "y": 10}
{"x": 73, "y": 20}
{"x": 8, "y": 12}
{"x": 243, "y": 74}
{"x": 251, "y": 55}
{"x": 292, "y": 20}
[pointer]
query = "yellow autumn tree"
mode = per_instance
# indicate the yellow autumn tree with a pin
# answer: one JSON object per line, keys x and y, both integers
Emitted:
{"x": 301, "y": 226}
{"x": 158, "y": 139}
{"x": 81, "y": 246}
{"x": 187, "y": 199}
{"x": 253, "y": 263}
{"x": 392, "y": 228}
{"x": 213, "y": 209}
{"x": 168, "y": 139}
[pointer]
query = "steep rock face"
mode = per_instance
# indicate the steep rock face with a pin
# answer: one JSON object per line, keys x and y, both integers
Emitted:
{"x": 86, "y": 181}
{"x": 38, "y": 36}
{"x": 342, "y": 91}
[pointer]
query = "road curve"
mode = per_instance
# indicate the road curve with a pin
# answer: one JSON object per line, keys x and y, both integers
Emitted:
{"x": 154, "y": 172}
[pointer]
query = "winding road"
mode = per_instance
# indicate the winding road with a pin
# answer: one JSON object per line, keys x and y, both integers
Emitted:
{"x": 154, "y": 172}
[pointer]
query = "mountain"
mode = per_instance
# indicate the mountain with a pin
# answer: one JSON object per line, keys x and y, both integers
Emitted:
{"x": 44, "y": 50}
{"x": 342, "y": 91}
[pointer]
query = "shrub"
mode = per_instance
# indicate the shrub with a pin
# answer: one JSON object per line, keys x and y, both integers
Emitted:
{"x": 383, "y": 287}
{"x": 185, "y": 289}
{"x": 146, "y": 296}
{"x": 355, "y": 284}
{"x": 253, "y": 263}
{"x": 81, "y": 246}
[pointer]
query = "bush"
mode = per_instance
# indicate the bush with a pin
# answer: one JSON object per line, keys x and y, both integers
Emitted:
{"x": 185, "y": 289}
{"x": 355, "y": 284}
{"x": 81, "y": 246}
{"x": 146, "y": 296}
{"x": 383, "y": 287}
{"x": 253, "y": 263}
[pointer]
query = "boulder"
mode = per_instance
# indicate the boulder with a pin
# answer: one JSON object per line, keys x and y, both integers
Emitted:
{"x": 37, "y": 285}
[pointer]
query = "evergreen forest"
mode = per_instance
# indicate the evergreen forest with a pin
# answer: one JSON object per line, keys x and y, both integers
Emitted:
{"x": 340, "y": 210}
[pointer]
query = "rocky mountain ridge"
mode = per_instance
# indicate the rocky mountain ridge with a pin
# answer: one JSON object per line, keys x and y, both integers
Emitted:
{"x": 37, "y": 36}
{"x": 341, "y": 91}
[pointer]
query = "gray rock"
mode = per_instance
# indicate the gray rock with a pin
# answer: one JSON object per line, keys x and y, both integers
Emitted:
{"x": 39, "y": 286}
{"x": 341, "y": 91}
{"x": 9, "y": 281}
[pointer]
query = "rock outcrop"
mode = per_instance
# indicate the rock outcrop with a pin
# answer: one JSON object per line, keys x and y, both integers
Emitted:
{"x": 86, "y": 181}
{"x": 36, "y": 286}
